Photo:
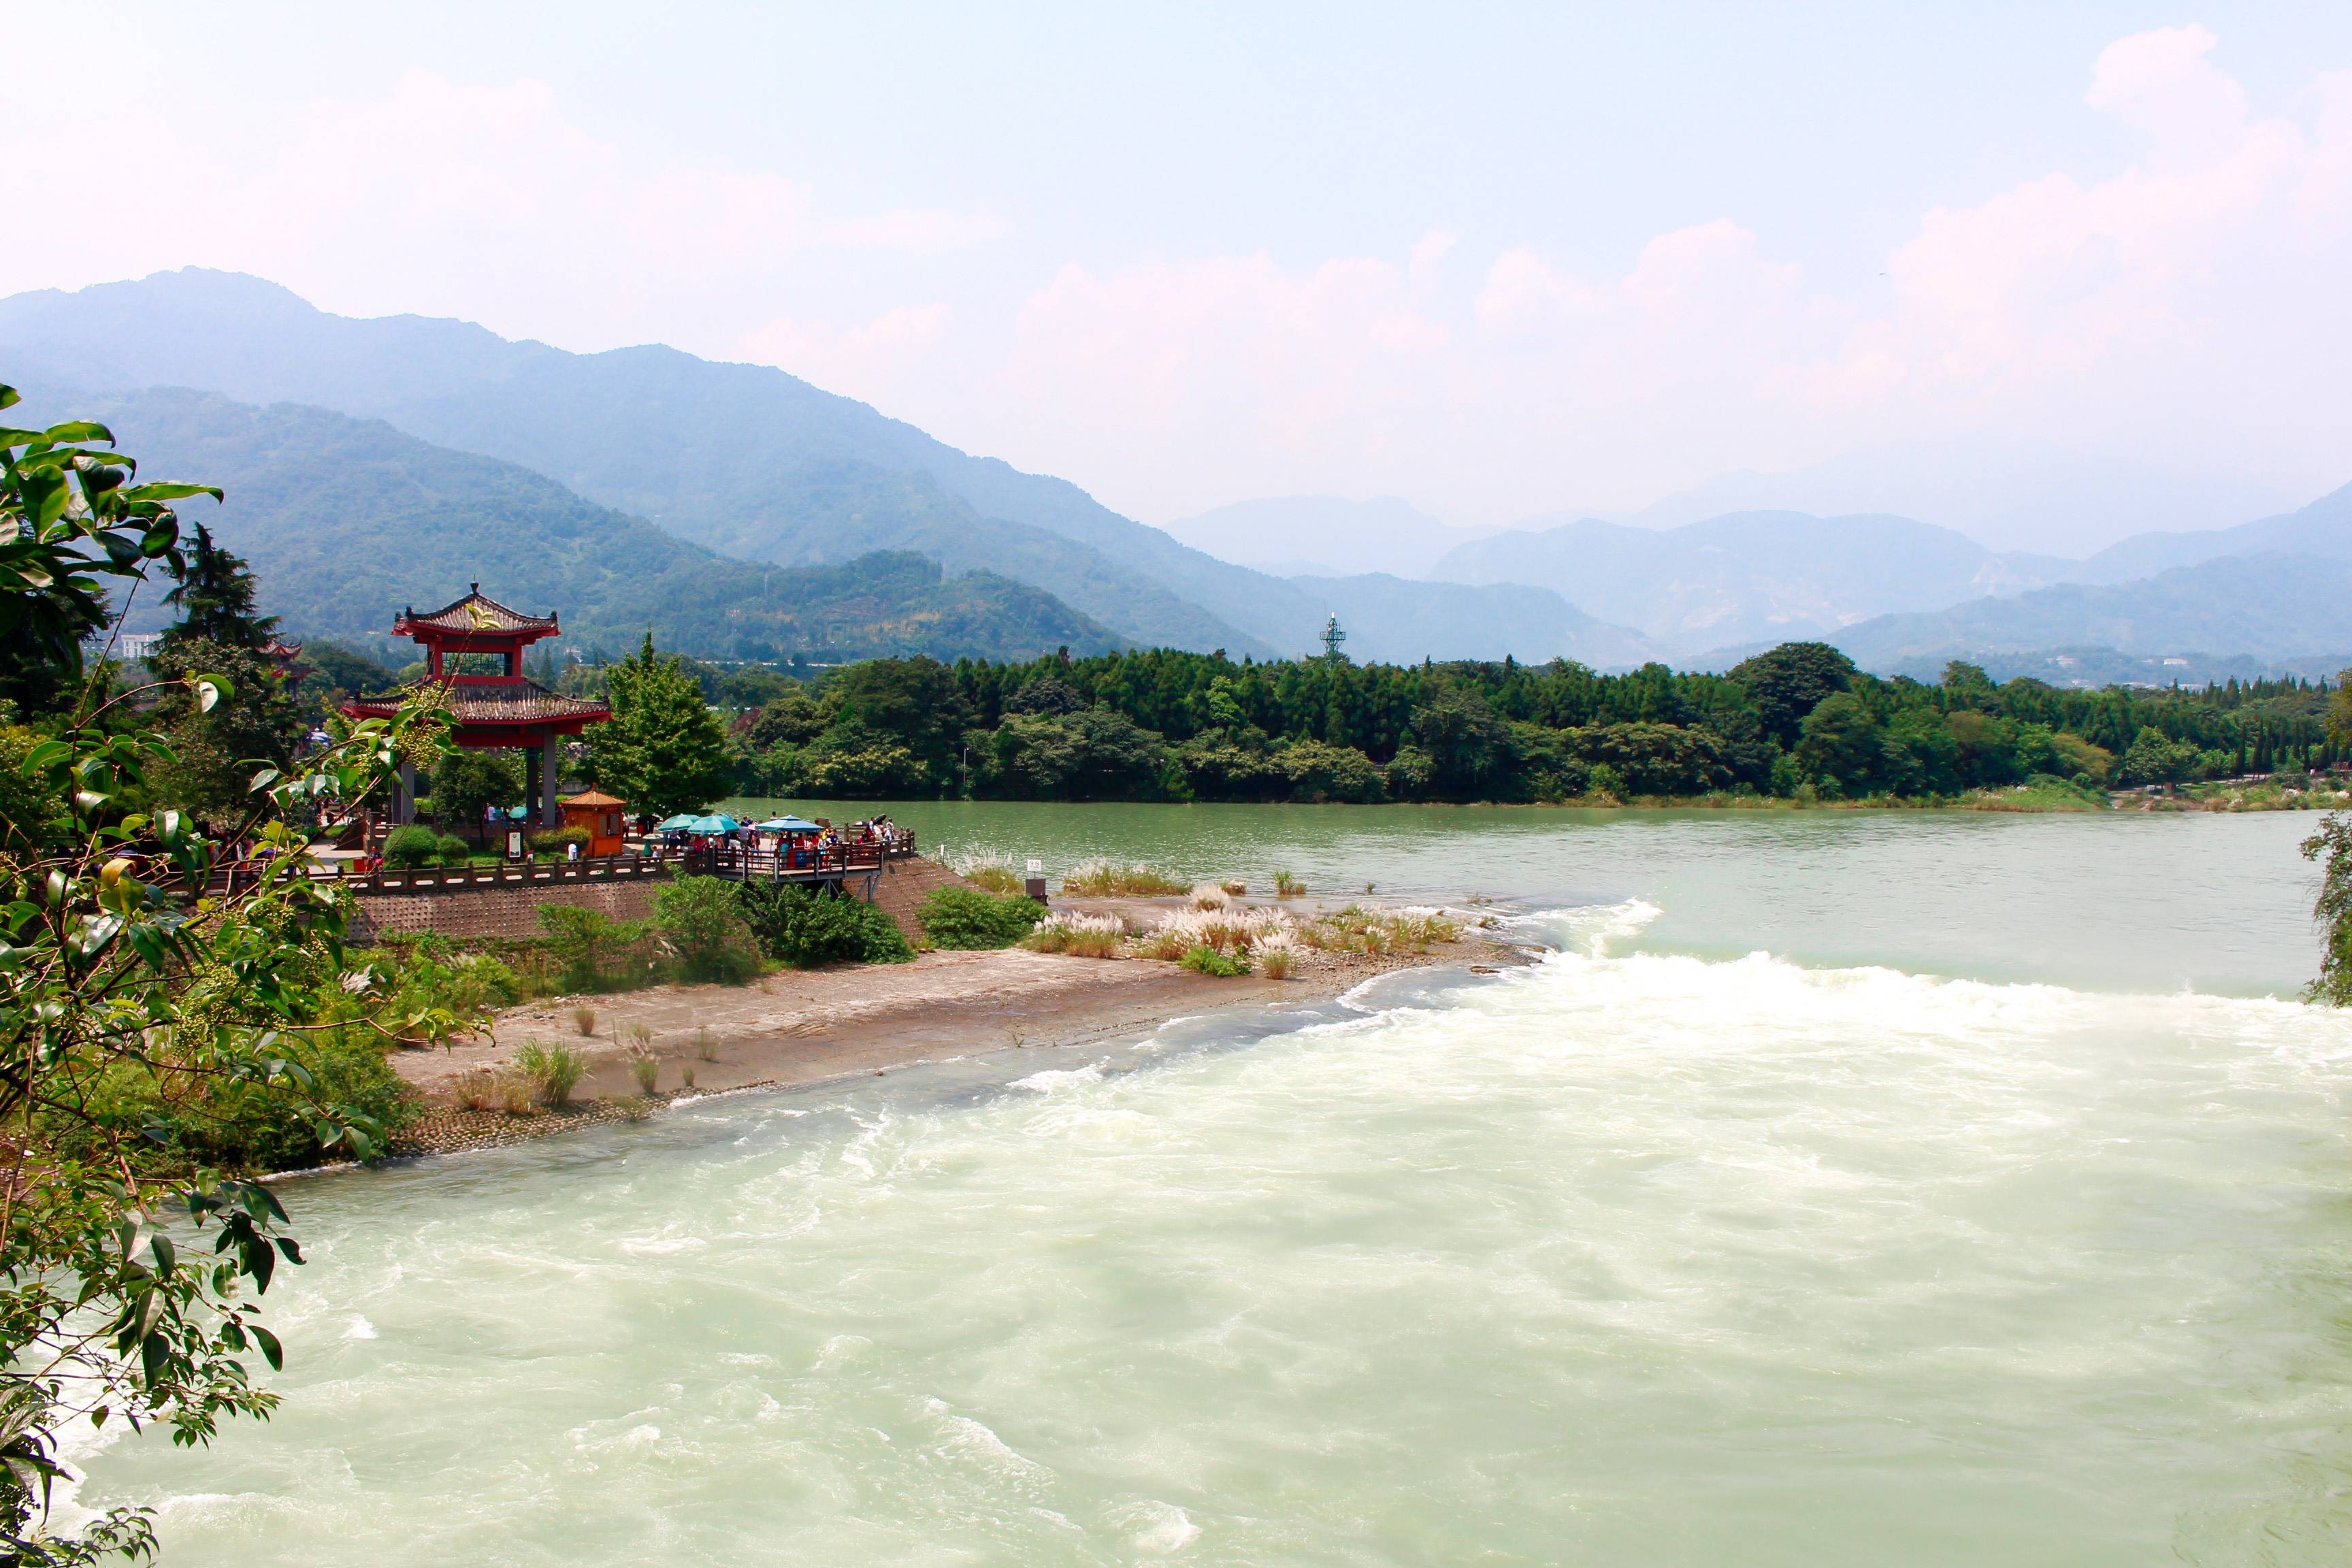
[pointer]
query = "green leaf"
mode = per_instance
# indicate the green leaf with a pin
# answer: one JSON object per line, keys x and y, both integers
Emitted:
{"x": 271, "y": 1351}
{"x": 78, "y": 430}
{"x": 168, "y": 491}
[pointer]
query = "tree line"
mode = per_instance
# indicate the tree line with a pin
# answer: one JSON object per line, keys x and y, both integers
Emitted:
{"x": 1799, "y": 721}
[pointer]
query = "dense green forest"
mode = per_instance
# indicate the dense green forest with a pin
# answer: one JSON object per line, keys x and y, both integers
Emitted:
{"x": 1800, "y": 722}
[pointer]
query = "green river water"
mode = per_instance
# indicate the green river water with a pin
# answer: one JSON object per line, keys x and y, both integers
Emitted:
{"x": 1844, "y": 1188}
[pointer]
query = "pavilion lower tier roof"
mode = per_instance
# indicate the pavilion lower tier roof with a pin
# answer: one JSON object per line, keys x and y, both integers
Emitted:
{"x": 499, "y": 705}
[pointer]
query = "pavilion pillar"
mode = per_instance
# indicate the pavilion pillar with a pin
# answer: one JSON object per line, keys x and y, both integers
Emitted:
{"x": 551, "y": 765}
{"x": 403, "y": 795}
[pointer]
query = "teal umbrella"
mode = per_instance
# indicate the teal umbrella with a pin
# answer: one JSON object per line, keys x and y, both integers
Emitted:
{"x": 787, "y": 825}
{"x": 723, "y": 822}
{"x": 682, "y": 823}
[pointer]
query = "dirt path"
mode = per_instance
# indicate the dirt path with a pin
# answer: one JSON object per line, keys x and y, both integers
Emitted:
{"x": 806, "y": 1027}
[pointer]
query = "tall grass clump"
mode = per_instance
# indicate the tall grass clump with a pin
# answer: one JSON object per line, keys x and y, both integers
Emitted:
{"x": 584, "y": 1020}
{"x": 1286, "y": 885}
{"x": 807, "y": 929}
{"x": 993, "y": 873}
{"x": 1210, "y": 961}
{"x": 1110, "y": 879}
{"x": 553, "y": 1071}
{"x": 1231, "y": 930}
{"x": 644, "y": 1068}
{"x": 706, "y": 1046}
{"x": 1210, "y": 896}
{"x": 964, "y": 918}
{"x": 1079, "y": 936}
{"x": 476, "y": 1089}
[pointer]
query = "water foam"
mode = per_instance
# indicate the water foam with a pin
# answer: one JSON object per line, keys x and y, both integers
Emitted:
{"x": 1622, "y": 1256}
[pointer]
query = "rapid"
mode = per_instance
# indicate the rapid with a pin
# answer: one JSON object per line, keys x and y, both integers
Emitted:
{"x": 1994, "y": 1211}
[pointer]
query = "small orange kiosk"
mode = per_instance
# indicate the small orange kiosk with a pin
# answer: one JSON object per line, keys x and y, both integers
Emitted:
{"x": 601, "y": 815}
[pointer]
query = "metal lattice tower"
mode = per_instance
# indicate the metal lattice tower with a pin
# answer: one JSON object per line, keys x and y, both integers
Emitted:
{"x": 1332, "y": 637}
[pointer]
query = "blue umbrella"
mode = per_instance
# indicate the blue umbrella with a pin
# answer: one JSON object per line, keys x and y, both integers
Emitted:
{"x": 723, "y": 822}
{"x": 787, "y": 825}
{"x": 681, "y": 823}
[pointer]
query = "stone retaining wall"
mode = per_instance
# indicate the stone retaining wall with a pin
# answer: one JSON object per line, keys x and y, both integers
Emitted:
{"x": 509, "y": 911}
{"x": 512, "y": 910}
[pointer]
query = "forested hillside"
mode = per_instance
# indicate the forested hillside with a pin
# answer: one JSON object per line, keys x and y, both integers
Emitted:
{"x": 347, "y": 521}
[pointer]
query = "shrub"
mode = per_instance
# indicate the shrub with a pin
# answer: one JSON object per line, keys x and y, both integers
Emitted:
{"x": 552, "y": 840}
{"x": 686, "y": 1075}
{"x": 584, "y": 1020}
{"x": 552, "y": 1071}
{"x": 806, "y": 929}
{"x": 587, "y": 946}
{"x": 703, "y": 920}
{"x": 645, "y": 1068}
{"x": 244, "y": 1125}
{"x": 1108, "y": 880}
{"x": 1209, "y": 961}
{"x": 411, "y": 847}
{"x": 452, "y": 850}
{"x": 1276, "y": 962}
{"x": 964, "y": 918}
{"x": 1286, "y": 885}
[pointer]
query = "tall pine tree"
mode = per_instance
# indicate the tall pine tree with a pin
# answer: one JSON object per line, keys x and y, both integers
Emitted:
{"x": 664, "y": 750}
{"x": 215, "y": 596}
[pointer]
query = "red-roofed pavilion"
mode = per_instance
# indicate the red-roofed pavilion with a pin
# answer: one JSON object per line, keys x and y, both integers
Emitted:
{"x": 490, "y": 711}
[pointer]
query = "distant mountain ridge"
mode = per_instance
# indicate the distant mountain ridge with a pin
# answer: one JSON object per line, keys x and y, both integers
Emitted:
{"x": 348, "y": 520}
{"x": 2321, "y": 529}
{"x": 2268, "y": 606}
{"x": 754, "y": 464}
{"x": 742, "y": 458}
{"x": 1746, "y": 576}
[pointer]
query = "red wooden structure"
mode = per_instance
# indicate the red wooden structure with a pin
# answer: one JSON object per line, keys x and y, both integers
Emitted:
{"x": 498, "y": 709}
{"x": 601, "y": 815}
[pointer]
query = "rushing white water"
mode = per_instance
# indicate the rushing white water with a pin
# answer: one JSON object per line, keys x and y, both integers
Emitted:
{"x": 1627, "y": 1258}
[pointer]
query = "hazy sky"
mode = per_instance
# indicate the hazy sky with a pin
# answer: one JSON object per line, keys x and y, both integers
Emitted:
{"x": 1497, "y": 261}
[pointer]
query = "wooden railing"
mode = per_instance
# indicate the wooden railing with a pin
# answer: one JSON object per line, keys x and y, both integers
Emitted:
{"x": 734, "y": 860}
{"x": 438, "y": 878}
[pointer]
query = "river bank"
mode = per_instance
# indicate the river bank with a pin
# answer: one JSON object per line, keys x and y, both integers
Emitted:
{"x": 795, "y": 1028}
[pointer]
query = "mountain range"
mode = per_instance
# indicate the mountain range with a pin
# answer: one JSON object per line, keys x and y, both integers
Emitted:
{"x": 743, "y": 459}
{"x": 346, "y": 522}
{"x": 644, "y": 486}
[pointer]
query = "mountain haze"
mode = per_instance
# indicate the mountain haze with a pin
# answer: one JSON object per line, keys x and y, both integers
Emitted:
{"x": 1746, "y": 576}
{"x": 1324, "y": 536}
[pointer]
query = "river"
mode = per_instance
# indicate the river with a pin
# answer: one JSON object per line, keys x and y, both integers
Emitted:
{"x": 1844, "y": 1188}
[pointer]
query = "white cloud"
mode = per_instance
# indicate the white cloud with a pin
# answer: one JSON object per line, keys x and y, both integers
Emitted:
{"x": 2189, "y": 305}
{"x": 449, "y": 198}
